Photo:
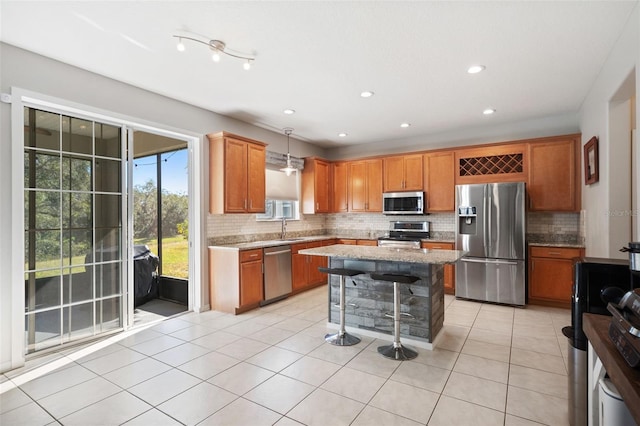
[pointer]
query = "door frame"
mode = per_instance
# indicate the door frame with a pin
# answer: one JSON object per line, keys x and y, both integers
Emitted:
{"x": 21, "y": 98}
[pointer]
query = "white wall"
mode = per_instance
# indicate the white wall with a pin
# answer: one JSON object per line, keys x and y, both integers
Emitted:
{"x": 594, "y": 121}
{"x": 35, "y": 73}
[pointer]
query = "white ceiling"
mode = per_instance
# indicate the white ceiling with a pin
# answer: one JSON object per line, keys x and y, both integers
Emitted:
{"x": 316, "y": 57}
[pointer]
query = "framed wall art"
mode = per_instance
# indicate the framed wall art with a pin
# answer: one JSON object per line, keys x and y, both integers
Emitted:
{"x": 591, "y": 161}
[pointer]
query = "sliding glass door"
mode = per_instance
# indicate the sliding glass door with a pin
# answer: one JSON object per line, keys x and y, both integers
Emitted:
{"x": 75, "y": 269}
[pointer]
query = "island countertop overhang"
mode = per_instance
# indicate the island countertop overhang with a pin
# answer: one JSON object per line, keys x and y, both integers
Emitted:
{"x": 408, "y": 255}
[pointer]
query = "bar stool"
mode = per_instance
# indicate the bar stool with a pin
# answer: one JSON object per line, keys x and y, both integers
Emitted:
{"x": 341, "y": 338}
{"x": 396, "y": 350}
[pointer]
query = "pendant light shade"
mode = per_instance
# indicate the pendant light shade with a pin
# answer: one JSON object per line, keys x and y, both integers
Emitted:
{"x": 289, "y": 169}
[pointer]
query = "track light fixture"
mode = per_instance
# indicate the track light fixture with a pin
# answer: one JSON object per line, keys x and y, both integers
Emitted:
{"x": 218, "y": 48}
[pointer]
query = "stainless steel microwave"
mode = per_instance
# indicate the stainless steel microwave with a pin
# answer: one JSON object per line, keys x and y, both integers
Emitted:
{"x": 404, "y": 203}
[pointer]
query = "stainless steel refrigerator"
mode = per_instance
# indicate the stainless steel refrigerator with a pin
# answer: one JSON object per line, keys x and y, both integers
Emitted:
{"x": 490, "y": 226}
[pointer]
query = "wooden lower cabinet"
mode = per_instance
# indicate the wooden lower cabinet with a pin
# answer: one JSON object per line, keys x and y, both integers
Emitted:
{"x": 367, "y": 242}
{"x": 551, "y": 275}
{"x": 251, "y": 278}
{"x": 449, "y": 270}
{"x": 347, "y": 241}
{"x": 304, "y": 269}
{"x": 235, "y": 279}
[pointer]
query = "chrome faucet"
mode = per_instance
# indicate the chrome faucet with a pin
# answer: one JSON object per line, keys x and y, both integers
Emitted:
{"x": 283, "y": 233}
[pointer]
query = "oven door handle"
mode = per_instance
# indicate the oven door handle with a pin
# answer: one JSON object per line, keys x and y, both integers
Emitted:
{"x": 493, "y": 262}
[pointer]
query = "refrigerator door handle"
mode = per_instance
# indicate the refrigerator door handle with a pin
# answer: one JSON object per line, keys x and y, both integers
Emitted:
{"x": 493, "y": 262}
{"x": 486, "y": 225}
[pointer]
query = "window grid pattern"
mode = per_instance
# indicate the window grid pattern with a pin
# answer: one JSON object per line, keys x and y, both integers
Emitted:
{"x": 73, "y": 228}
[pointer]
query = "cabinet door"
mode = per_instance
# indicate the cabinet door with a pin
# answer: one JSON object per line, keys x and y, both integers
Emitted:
{"x": 251, "y": 289}
{"x": 450, "y": 279}
{"x": 393, "y": 174}
{"x": 449, "y": 270}
{"x": 552, "y": 180}
{"x": 315, "y": 262}
{"x": 413, "y": 178}
{"x": 367, "y": 242}
{"x": 374, "y": 186}
{"x": 440, "y": 182}
{"x": 235, "y": 176}
{"x": 550, "y": 279}
{"x": 299, "y": 268}
{"x": 256, "y": 178}
{"x": 340, "y": 185}
{"x": 322, "y": 187}
{"x": 358, "y": 186}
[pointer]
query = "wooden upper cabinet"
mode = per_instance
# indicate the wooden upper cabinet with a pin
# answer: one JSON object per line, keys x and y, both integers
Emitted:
{"x": 365, "y": 186}
{"x": 315, "y": 186}
{"x": 236, "y": 174}
{"x": 554, "y": 174}
{"x": 439, "y": 181}
{"x": 492, "y": 163}
{"x": 340, "y": 201}
{"x": 256, "y": 187}
{"x": 403, "y": 173}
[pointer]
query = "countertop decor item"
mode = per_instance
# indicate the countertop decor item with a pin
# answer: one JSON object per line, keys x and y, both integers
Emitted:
{"x": 591, "y": 161}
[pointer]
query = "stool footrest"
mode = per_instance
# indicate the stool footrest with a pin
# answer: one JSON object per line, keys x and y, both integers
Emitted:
{"x": 394, "y": 278}
{"x": 340, "y": 271}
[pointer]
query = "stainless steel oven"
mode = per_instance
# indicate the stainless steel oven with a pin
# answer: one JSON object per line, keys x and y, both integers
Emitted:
{"x": 405, "y": 234}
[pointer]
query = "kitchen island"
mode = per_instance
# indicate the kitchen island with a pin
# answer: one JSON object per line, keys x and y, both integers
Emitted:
{"x": 369, "y": 301}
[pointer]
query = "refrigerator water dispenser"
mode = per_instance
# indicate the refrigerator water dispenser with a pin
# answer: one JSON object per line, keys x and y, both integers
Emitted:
{"x": 467, "y": 220}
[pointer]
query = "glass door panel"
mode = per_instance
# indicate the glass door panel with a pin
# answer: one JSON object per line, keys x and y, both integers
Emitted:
{"x": 74, "y": 258}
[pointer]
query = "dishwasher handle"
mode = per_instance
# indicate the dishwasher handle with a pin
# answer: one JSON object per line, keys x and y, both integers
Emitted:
{"x": 273, "y": 253}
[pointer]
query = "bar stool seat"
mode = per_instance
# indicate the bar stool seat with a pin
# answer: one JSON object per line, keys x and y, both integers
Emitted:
{"x": 396, "y": 350}
{"x": 341, "y": 338}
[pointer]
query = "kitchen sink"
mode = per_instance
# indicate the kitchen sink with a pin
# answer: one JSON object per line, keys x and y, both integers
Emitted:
{"x": 292, "y": 239}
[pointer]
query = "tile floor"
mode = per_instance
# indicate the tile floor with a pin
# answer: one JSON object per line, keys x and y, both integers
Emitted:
{"x": 493, "y": 365}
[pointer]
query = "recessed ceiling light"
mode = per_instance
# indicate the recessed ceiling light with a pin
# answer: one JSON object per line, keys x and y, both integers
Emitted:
{"x": 289, "y": 111}
{"x": 488, "y": 111}
{"x": 475, "y": 69}
{"x": 342, "y": 135}
{"x": 366, "y": 94}
{"x": 405, "y": 125}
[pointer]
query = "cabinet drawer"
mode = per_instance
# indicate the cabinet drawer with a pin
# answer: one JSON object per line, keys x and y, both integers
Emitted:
{"x": 555, "y": 252}
{"x": 250, "y": 255}
{"x": 347, "y": 241}
{"x": 437, "y": 246}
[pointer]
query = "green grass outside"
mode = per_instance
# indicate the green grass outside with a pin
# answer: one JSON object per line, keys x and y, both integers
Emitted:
{"x": 175, "y": 255}
{"x": 175, "y": 258}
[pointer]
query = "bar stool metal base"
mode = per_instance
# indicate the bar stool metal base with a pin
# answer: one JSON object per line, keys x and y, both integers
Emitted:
{"x": 341, "y": 338}
{"x": 399, "y": 353}
{"x": 345, "y": 339}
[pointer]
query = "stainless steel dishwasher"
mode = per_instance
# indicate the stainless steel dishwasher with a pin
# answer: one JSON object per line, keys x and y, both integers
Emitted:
{"x": 277, "y": 273}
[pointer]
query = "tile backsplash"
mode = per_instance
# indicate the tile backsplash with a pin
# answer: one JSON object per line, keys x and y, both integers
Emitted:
{"x": 236, "y": 228}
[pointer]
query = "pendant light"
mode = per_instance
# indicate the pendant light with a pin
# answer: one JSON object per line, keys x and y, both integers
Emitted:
{"x": 289, "y": 169}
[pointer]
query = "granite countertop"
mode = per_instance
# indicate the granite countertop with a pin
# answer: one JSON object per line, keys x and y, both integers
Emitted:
{"x": 296, "y": 240}
{"x": 274, "y": 243}
{"x": 568, "y": 245}
{"x": 386, "y": 253}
